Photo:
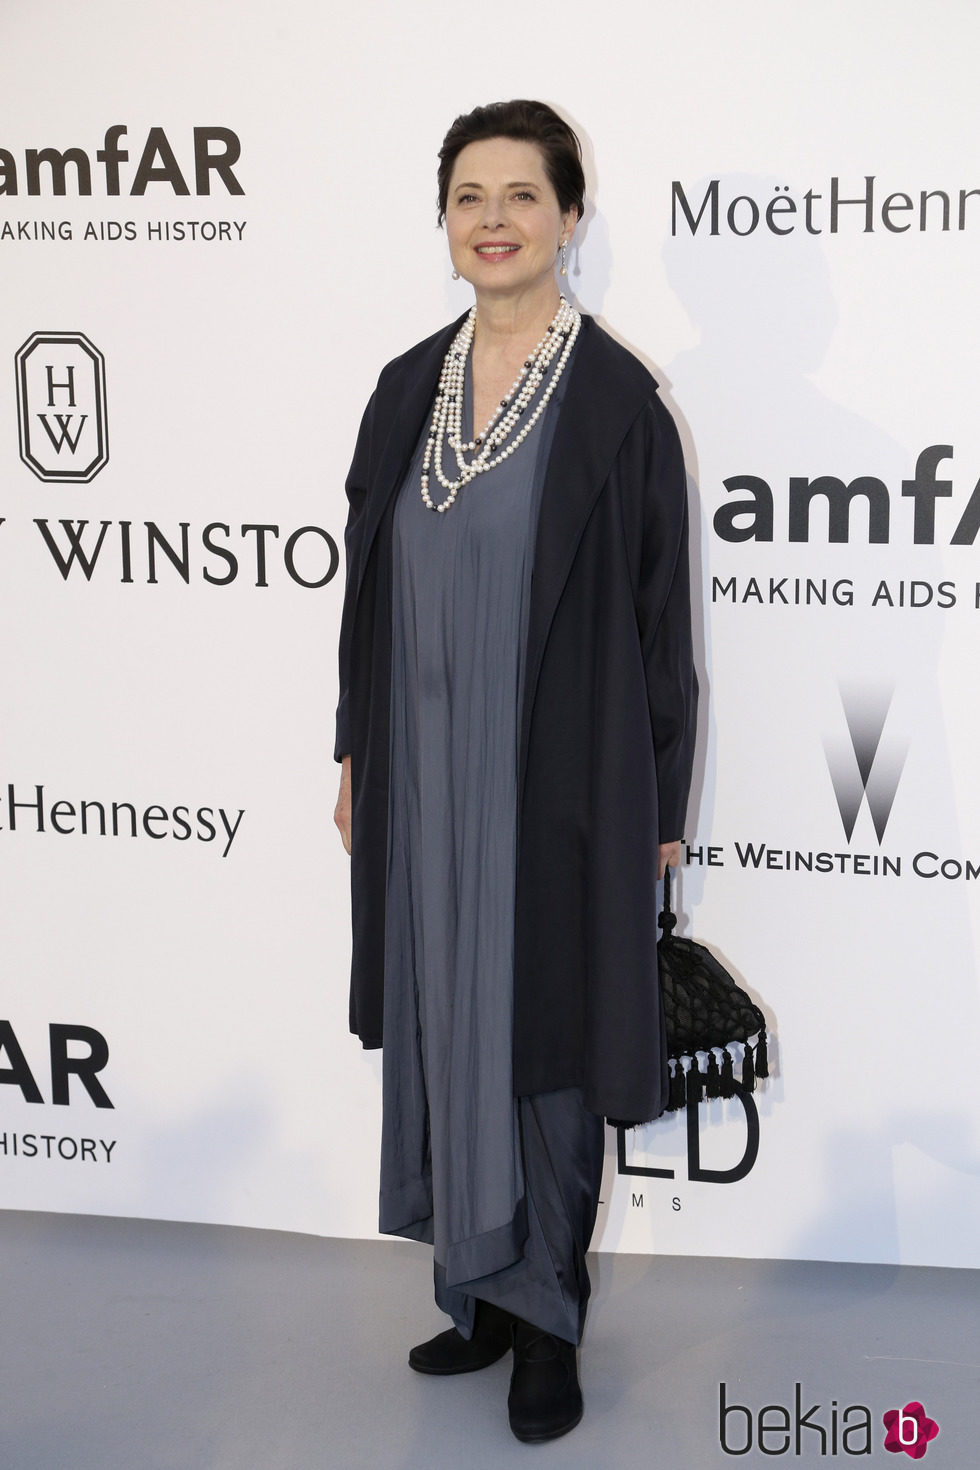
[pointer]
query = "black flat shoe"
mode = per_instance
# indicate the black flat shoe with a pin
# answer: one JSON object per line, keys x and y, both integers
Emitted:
{"x": 449, "y": 1352}
{"x": 545, "y": 1399}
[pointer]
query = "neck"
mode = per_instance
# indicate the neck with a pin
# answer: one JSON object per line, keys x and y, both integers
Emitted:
{"x": 503, "y": 321}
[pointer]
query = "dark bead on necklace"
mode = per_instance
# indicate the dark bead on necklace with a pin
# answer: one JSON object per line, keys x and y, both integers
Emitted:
{"x": 503, "y": 403}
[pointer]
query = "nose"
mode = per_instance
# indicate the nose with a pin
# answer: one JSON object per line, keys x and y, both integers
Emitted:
{"x": 493, "y": 213}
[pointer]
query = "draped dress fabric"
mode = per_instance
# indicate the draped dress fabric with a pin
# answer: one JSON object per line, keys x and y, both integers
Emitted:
{"x": 504, "y": 1188}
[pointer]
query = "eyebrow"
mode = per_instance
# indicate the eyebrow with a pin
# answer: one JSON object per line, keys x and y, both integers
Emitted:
{"x": 516, "y": 184}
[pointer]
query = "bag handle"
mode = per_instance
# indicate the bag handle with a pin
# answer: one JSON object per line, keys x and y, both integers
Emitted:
{"x": 667, "y": 920}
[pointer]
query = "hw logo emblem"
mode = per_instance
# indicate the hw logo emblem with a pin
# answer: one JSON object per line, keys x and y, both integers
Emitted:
{"x": 863, "y": 766}
{"x": 61, "y": 406}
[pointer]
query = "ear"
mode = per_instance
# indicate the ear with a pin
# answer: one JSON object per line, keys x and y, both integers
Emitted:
{"x": 568, "y": 222}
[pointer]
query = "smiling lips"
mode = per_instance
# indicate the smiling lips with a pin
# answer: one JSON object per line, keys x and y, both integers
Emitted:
{"x": 497, "y": 249}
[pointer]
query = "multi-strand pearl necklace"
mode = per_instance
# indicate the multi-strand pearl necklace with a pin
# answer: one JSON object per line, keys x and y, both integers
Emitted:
{"x": 492, "y": 446}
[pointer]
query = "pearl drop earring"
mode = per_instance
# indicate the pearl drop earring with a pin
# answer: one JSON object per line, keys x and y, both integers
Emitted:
{"x": 564, "y": 259}
{"x": 455, "y": 274}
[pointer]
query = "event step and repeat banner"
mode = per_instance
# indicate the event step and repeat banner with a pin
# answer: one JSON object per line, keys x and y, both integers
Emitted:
{"x": 217, "y": 223}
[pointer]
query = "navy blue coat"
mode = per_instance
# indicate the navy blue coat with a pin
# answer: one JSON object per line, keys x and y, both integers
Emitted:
{"x": 607, "y": 725}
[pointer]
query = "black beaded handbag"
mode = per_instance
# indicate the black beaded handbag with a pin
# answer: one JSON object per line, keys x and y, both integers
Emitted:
{"x": 704, "y": 1011}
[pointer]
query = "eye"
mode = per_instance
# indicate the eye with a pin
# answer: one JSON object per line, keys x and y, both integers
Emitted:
{"x": 525, "y": 194}
{"x": 465, "y": 198}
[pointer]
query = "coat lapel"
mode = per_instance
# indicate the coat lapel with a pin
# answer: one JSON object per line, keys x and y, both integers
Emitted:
{"x": 403, "y": 409}
{"x": 598, "y": 407}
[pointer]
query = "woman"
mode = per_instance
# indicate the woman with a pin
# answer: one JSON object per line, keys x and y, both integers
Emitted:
{"x": 516, "y": 728}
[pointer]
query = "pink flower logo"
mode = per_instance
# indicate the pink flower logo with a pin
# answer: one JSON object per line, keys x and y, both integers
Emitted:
{"x": 909, "y": 1429}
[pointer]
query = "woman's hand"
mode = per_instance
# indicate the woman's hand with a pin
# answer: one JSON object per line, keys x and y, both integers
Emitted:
{"x": 341, "y": 812}
{"x": 670, "y": 857}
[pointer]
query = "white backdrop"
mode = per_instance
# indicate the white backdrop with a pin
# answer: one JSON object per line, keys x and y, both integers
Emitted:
{"x": 236, "y": 368}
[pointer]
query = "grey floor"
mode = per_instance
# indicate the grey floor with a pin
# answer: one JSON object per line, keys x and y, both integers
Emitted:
{"x": 128, "y": 1345}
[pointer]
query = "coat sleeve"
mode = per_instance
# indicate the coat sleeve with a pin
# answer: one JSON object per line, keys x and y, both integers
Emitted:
{"x": 356, "y": 489}
{"x": 663, "y": 611}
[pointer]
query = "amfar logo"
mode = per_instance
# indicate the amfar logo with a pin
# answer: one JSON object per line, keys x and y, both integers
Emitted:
{"x": 753, "y": 518}
{"x": 66, "y": 1064}
{"x": 61, "y": 406}
{"x": 862, "y": 765}
{"x": 63, "y": 1065}
{"x": 156, "y": 164}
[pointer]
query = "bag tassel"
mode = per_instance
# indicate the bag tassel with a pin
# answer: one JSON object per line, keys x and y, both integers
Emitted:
{"x": 748, "y": 1071}
{"x": 727, "y": 1074}
{"x": 694, "y": 1088}
{"x": 675, "y": 1098}
{"x": 761, "y": 1056}
{"x": 713, "y": 1083}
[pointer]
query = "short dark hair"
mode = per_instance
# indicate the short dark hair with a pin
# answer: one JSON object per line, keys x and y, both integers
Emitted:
{"x": 529, "y": 122}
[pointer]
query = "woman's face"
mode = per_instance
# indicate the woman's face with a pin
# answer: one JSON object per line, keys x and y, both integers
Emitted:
{"x": 503, "y": 219}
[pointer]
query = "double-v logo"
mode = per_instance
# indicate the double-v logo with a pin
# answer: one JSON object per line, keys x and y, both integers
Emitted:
{"x": 61, "y": 406}
{"x": 864, "y": 765}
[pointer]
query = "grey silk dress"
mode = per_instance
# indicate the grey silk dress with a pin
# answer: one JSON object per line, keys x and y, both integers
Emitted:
{"x": 504, "y": 1188}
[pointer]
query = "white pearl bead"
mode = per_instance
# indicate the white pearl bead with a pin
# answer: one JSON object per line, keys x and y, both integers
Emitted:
{"x": 447, "y": 409}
